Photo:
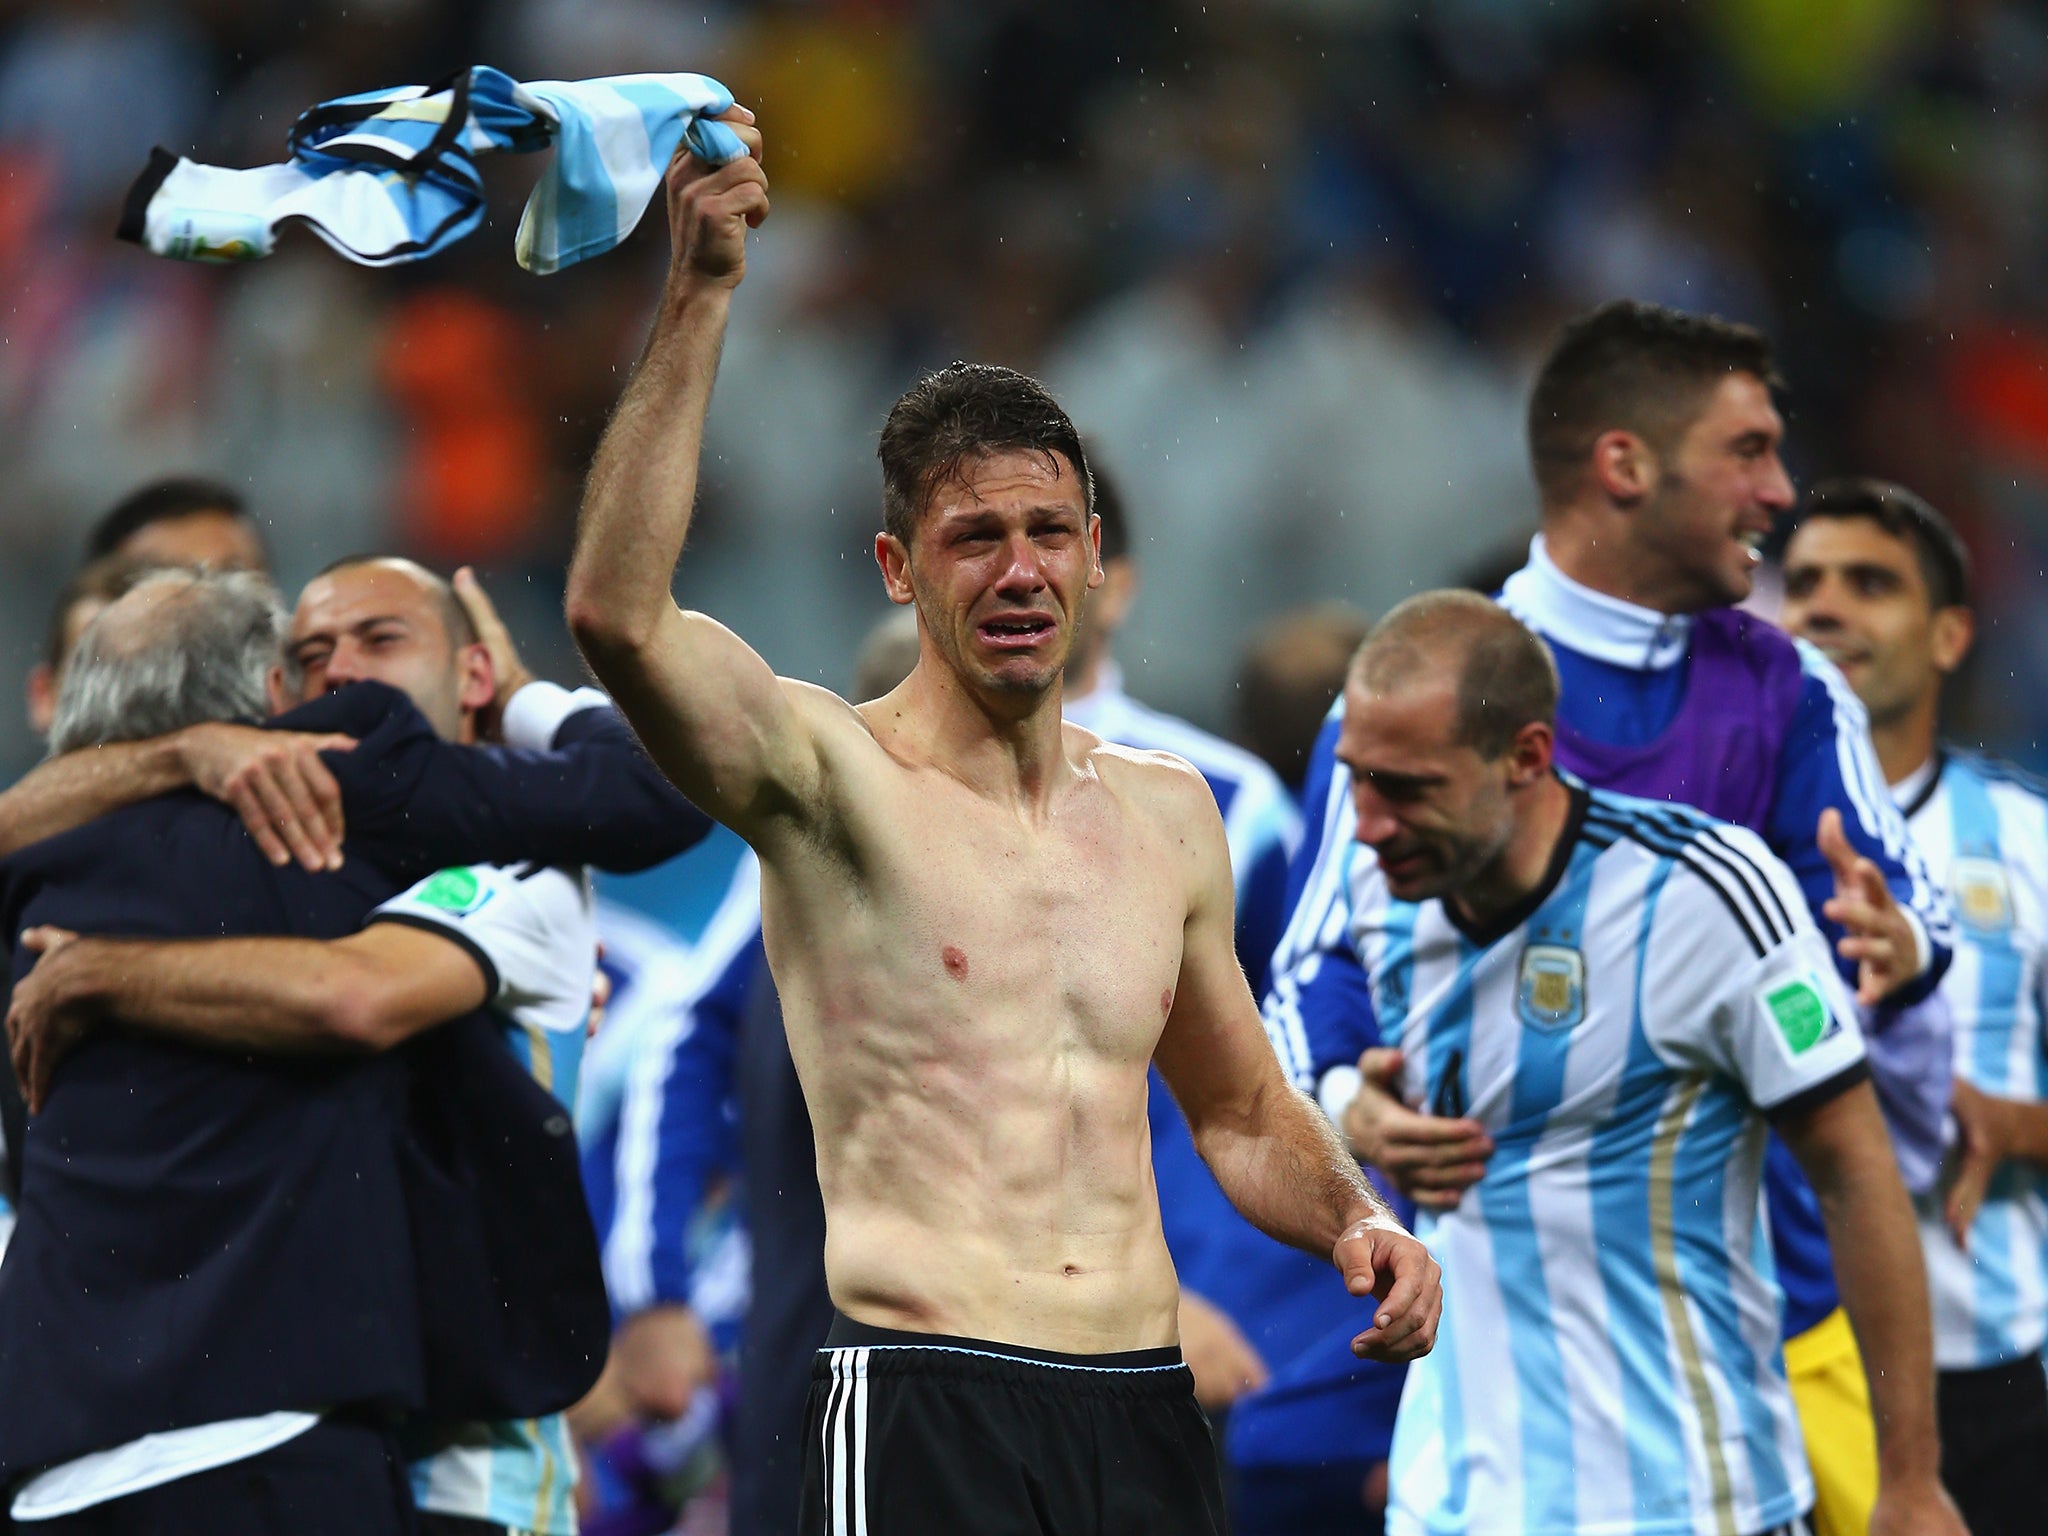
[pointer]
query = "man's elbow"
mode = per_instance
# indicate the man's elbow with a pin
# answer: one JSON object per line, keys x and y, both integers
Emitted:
{"x": 609, "y": 626}
{"x": 360, "y": 1012}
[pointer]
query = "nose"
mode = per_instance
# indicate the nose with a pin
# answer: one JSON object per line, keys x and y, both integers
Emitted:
{"x": 1818, "y": 610}
{"x": 1375, "y": 825}
{"x": 1023, "y": 574}
{"x": 1776, "y": 492}
{"x": 343, "y": 666}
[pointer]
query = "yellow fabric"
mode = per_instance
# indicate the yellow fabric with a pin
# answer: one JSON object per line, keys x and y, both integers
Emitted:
{"x": 1825, "y": 1370}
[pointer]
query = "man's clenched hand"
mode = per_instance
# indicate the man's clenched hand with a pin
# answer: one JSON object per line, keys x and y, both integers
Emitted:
{"x": 1380, "y": 1257}
{"x": 711, "y": 208}
{"x": 276, "y": 782}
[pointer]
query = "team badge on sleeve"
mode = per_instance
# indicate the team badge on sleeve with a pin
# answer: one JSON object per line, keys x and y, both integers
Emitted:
{"x": 1552, "y": 991}
{"x": 1800, "y": 1010}
{"x": 454, "y": 890}
{"x": 1983, "y": 895}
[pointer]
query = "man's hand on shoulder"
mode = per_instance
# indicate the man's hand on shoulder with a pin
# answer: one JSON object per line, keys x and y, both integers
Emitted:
{"x": 276, "y": 783}
{"x": 45, "y": 1017}
{"x": 1380, "y": 1257}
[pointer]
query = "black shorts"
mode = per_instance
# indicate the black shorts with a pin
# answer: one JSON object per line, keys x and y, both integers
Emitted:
{"x": 907, "y": 1433}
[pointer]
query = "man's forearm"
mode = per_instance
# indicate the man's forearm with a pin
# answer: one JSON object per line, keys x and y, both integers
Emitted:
{"x": 1285, "y": 1168}
{"x": 643, "y": 481}
{"x": 81, "y": 786}
{"x": 1880, "y": 1273}
{"x": 267, "y": 995}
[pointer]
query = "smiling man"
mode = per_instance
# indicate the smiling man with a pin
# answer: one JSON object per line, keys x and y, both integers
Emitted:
{"x": 984, "y": 926}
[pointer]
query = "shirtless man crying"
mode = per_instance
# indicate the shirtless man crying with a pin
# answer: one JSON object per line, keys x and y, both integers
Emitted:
{"x": 984, "y": 924}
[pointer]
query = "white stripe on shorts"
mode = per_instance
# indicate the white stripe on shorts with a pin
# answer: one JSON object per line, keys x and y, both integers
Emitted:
{"x": 846, "y": 1443}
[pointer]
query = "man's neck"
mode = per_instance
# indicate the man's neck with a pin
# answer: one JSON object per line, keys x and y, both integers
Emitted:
{"x": 1905, "y": 742}
{"x": 1005, "y": 746}
{"x": 1526, "y": 860}
{"x": 1592, "y": 546}
{"x": 1086, "y": 673}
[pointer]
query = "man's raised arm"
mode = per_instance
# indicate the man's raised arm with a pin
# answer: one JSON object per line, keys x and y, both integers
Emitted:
{"x": 721, "y": 725}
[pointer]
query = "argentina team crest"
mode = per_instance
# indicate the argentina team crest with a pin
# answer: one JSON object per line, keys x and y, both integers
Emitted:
{"x": 1983, "y": 894}
{"x": 1552, "y": 991}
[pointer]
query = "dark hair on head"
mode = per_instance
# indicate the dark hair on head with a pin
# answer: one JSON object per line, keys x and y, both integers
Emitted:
{"x": 1506, "y": 677}
{"x": 454, "y": 617}
{"x": 1109, "y": 506}
{"x": 104, "y": 580}
{"x": 1944, "y": 561}
{"x": 962, "y": 411}
{"x": 1639, "y": 367}
{"x": 161, "y": 501}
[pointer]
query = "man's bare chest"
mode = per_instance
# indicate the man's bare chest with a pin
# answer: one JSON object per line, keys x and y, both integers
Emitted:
{"x": 1080, "y": 915}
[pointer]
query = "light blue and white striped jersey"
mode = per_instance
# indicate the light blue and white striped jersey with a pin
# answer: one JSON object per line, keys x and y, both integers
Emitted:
{"x": 532, "y": 931}
{"x": 1608, "y": 1359}
{"x": 1983, "y": 828}
{"x": 390, "y": 176}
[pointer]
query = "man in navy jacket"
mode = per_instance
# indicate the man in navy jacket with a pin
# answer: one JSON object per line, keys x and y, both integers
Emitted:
{"x": 208, "y": 1240}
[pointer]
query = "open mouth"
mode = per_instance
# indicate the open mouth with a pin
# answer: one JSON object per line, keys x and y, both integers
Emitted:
{"x": 1015, "y": 632}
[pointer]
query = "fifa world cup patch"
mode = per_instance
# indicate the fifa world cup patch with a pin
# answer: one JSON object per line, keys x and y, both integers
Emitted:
{"x": 1551, "y": 993}
{"x": 452, "y": 890}
{"x": 1983, "y": 894}
{"x": 1800, "y": 1010}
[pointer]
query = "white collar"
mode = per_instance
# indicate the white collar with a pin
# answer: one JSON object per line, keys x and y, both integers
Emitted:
{"x": 1909, "y": 789}
{"x": 1622, "y": 634}
{"x": 1087, "y": 710}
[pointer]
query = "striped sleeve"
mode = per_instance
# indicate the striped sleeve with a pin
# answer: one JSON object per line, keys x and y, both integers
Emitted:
{"x": 675, "y": 1126}
{"x": 1827, "y": 760}
{"x": 1318, "y": 1007}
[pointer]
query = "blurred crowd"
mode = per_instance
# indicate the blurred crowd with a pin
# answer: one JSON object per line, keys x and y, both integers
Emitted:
{"x": 1288, "y": 263}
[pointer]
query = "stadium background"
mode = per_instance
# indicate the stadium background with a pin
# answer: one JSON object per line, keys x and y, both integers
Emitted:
{"x": 1288, "y": 263}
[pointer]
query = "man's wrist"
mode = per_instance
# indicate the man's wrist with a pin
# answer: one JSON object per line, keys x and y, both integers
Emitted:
{"x": 533, "y": 714}
{"x": 691, "y": 295}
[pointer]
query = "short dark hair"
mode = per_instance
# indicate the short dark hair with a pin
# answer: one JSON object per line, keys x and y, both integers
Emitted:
{"x": 161, "y": 501}
{"x": 1943, "y": 559}
{"x": 1109, "y": 506}
{"x": 962, "y": 411}
{"x": 1640, "y": 367}
{"x": 104, "y": 580}
{"x": 1506, "y": 676}
{"x": 454, "y": 617}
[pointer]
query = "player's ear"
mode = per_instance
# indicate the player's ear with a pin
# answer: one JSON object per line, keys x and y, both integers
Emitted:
{"x": 1950, "y": 636}
{"x": 893, "y": 556}
{"x": 280, "y": 696}
{"x": 1624, "y": 467}
{"x": 478, "y": 676}
{"x": 1531, "y": 753}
